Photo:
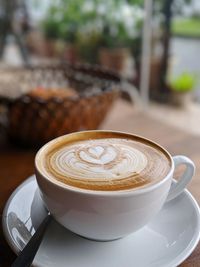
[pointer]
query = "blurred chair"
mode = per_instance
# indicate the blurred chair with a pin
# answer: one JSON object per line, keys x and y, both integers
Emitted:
{"x": 14, "y": 21}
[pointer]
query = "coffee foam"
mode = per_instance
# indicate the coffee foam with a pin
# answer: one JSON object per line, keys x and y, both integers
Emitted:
{"x": 106, "y": 164}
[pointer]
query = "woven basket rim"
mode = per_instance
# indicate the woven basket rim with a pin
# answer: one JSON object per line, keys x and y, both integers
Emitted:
{"x": 112, "y": 84}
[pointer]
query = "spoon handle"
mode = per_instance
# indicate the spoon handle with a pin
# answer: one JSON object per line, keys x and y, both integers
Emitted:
{"x": 27, "y": 255}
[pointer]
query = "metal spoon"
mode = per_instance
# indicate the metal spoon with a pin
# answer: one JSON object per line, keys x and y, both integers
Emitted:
{"x": 27, "y": 255}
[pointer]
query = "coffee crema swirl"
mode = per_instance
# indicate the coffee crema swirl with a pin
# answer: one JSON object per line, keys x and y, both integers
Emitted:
{"x": 106, "y": 164}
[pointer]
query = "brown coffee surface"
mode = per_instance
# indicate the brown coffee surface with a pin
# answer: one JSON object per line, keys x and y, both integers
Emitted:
{"x": 105, "y": 161}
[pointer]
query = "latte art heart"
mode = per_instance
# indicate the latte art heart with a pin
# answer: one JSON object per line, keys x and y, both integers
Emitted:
{"x": 106, "y": 164}
{"x": 97, "y": 155}
{"x": 96, "y": 151}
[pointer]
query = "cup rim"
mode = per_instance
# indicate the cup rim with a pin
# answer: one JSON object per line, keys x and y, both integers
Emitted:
{"x": 123, "y": 192}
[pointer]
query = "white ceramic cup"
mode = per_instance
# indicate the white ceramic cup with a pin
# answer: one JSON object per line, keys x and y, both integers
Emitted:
{"x": 105, "y": 215}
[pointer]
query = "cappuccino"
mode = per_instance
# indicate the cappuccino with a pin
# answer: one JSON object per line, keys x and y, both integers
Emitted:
{"x": 105, "y": 185}
{"x": 105, "y": 161}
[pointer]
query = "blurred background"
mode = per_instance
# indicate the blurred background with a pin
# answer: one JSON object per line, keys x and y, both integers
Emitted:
{"x": 158, "y": 65}
{"x": 73, "y": 65}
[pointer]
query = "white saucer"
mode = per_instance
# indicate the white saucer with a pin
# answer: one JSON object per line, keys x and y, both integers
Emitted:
{"x": 167, "y": 241}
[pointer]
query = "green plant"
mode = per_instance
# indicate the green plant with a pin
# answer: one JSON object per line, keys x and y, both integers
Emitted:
{"x": 50, "y": 29}
{"x": 112, "y": 23}
{"x": 62, "y": 20}
{"x": 91, "y": 24}
{"x": 51, "y": 23}
{"x": 122, "y": 24}
{"x": 183, "y": 83}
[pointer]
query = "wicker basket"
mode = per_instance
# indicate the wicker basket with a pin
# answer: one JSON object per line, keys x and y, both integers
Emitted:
{"x": 34, "y": 120}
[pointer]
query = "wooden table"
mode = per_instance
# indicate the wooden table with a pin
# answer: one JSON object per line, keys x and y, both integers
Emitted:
{"x": 17, "y": 164}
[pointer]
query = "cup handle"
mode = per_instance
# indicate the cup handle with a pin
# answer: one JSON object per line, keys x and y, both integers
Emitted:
{"x": 184, "y": 179}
